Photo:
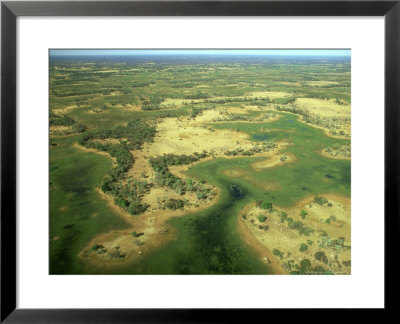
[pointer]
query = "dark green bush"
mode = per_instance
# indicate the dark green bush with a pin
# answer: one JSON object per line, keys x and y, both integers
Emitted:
{"x": 262, "y": 218}
{"x": 303, "y": 247}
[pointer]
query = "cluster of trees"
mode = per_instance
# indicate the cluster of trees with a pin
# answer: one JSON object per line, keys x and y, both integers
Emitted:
{"x": 299, "y": 227}
{"x": 251, "y": 100}
{"x": 265, "y": 116}
{"x": 339, "y": 150}
{"x": 83, "y": 92}
{"x": 284, "y": 101}
{"x": 196, "y": 112}
{"x": 184, "y": 85}
{"x": 258, "y": 148}
{"x": 61, "y": 120}
{"x": 152, "y": 102}
{"x": 120, "y": 152}
{"x": 198, "y": 95}
{"x": 175, "y": 203}
{"x": 295, "y": 110}
{"x": 320, "y": 200}
{"x": 296, "y": 225}
{"x": 132, "y": 136}
{"x": 234, "y": 117}
{"x": 165, "y": 178}
{"x": 336, "y": 245}
{"x": 128, "y": 195}
{"x": 264, "y": 204}
{"x": 340, "y": 102}
{"x": 162, "y": 162}
{"x": 64, "y": 120}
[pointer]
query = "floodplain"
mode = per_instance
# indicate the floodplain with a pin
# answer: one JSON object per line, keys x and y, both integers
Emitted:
{"x": 196, "y": 164}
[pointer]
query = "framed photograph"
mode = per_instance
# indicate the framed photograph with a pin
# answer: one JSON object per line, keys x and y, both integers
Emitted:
{"x": 190, "y": 160}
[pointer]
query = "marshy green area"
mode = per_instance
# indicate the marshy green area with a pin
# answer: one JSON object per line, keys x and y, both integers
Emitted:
{"x": 104, "y": 96}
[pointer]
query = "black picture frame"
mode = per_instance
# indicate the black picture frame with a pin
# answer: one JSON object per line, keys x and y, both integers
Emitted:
{"x": 10, "y": 10}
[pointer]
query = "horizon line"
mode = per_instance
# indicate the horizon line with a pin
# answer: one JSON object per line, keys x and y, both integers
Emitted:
{"x": 204, "y": 52}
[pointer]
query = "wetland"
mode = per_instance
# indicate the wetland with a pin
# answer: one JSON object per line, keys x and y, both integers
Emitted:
{"x": 199, "y": 164}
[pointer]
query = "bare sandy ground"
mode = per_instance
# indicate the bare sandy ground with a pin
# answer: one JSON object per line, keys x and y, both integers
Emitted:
{"x": 151, "y": 226}
{"x": 279, "y": 236}
{"x": 324, "y": 108}
{"x": 179, "y": 137}
{"x": 337, "y": 157}
{"x": 274, "y": 160}
{"x": 256, "y": 243}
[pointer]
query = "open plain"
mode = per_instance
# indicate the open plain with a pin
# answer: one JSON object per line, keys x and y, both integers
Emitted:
{"x": 200, "y": 165}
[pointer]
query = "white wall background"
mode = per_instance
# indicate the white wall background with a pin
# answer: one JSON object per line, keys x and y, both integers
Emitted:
{"x": 364, "y": 288}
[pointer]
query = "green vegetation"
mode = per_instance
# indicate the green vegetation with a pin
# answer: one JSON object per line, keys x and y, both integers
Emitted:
{"x": 283, "y": 216}
{"x": 303, "y": 247}
{"x": 175, "y": 203}
{"x": 321, "y": 256}
{"x": 277, "y": 253}
{"x": 165, "y": 178}
{"x": 262, "y": 218}
{"x": 116, "y": 106}
{"x": 63, "y": 120}
{"x": 320, "y": 200}
{"x": 264, "y": 204}
{"x": 303, "y": 214}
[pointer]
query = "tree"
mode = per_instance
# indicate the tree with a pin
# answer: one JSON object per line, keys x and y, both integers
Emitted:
{"x": 262, "y": 218}
{"x": 266, "y": 205}
{"x": 303, "y": 247}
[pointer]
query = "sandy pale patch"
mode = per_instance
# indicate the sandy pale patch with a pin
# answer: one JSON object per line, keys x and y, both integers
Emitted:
{"x": 326, "y": 248}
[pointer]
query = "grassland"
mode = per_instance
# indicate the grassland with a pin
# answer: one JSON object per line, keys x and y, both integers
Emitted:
{"x": 199, "y": 166}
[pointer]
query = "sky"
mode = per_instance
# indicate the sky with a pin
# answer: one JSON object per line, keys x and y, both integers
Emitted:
{"x": 275, "y": 52}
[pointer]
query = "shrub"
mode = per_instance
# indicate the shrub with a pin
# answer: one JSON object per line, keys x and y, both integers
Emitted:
{"x": 278, "y": 253}
{"x": 305, "y": 266}
{"x": 303, "y": 247}
{"x": 137, "y": 208}
{"x": 95, "y": 247}
{"x": 321, "y": 256}
{"x": 284, "y": 216}
{"x": 320, "y": 200}
{"x": 303, "y": 214}
{"x": 262, "y": 218}
{"x": 319, "y": 269}
{"x": 266, "y": 205}
{"x": 134, "y": 234}
{"x": 175, "y": 203}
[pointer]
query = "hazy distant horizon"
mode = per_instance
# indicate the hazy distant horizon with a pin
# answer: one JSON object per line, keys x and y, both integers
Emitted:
{"x": 204, "y": 52}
